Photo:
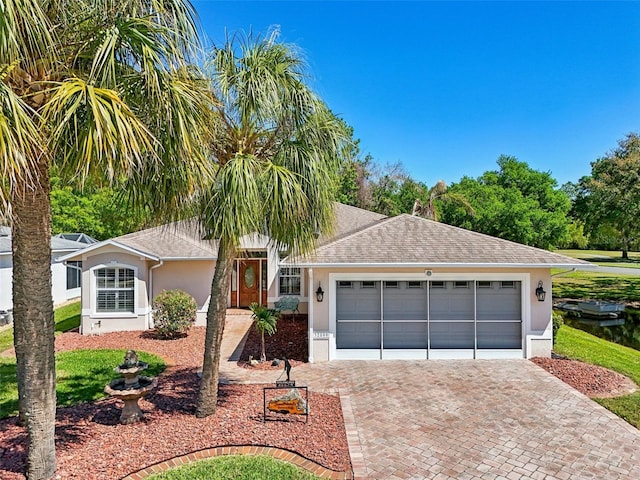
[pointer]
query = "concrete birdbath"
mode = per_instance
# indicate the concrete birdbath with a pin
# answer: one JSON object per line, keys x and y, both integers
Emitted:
{"x": 131, "y": 387}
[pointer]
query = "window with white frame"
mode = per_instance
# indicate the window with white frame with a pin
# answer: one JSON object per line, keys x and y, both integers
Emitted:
{"x": 115, "y": 289}
{"x": 74, "y": 274}
{"x": 290, "y": 280}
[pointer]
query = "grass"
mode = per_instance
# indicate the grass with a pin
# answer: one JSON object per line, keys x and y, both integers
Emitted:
{"x": 236, "y": 467}
{"x": 597, "y": 286}
{"x": 66, "y": 318}
{"x": 588, "y": 348}
{"x": 81, "y": 376}
{"x": 610, "y": 255}
{"x": 618, "y": 264}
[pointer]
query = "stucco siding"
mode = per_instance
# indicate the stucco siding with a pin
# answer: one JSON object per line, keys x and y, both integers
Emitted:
{"x": 194, "y": 277}
{"x": 98, "y": 322}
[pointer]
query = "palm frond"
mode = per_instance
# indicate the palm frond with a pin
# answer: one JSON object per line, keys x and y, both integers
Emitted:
{"x": 20, "y": 140}
{"x": 233, "y": 206}
{"x": 25, "y": 32}
{"x": 181, "y": 118}
{"x": 93, "y": 131}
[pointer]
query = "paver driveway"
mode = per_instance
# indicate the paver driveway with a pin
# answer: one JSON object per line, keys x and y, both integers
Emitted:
{"x": 472, "y": 419}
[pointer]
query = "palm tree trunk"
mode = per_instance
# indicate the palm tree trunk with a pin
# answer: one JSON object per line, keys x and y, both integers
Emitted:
{"x": 34, "y": 320}
{"x": 208, "y": 394}
{"x": 263, "y": 353}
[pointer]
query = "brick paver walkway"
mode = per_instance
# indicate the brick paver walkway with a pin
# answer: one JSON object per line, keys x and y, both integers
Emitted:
{"x": 467, "y": 419}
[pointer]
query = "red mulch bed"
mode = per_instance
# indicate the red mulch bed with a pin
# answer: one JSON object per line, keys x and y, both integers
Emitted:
{"x": 290, "y": 340}
{"x": 592, "y": 380}
{"x": 91, "y": 444}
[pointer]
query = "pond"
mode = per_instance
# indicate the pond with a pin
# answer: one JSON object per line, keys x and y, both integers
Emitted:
{"x": 624, "y": 331}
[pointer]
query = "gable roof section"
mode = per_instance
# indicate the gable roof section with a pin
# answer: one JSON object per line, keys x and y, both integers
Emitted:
{"x": 413, "y": 241}
{"x": 178, "y": 240}
{"x": 349, "y": 219}
{"x": 183, "y": 240}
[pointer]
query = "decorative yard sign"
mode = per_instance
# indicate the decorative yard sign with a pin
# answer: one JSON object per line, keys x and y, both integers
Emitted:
{"x": 292, "y": 402}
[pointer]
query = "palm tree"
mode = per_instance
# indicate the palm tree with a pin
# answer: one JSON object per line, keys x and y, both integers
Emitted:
{"x": 101, "y": 89}
{"x": 429, "y": 210}
{"x": 266, "y": 321}
{"x": 276, "y": 150}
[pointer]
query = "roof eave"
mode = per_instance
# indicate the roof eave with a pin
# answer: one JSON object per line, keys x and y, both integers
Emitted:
{"x": 441, "y": 265}
{"x": 95, "y": 246}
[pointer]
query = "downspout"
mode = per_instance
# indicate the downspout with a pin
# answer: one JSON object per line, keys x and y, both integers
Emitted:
{"x": 150, "y": 315}
{"x": 562, "y": 273}
{"x": 310, "y": 314}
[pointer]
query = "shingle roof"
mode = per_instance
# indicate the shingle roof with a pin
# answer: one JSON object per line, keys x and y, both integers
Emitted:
{"x": 183, "y": 239}
{"x": 175, "y": 240}
{"x": 406, "y": 239}
{"x": 349, "y": 219}
{"x": 58, "y": 244}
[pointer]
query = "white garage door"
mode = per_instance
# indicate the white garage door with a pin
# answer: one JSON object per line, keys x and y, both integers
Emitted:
{"x": 435, "y": 319}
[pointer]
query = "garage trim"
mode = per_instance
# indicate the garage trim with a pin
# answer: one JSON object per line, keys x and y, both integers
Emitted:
{"x": 525, "y": 300}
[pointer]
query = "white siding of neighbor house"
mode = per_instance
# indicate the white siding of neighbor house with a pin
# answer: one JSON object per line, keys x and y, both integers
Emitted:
{"x": 6, "y": 276}
{"x": 59, "y": 292}
{"x": 536, "y": 316}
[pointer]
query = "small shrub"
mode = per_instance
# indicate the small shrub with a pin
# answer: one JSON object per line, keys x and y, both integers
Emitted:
{"x": 174, "y": 311}
{"x": 558, "y": 321}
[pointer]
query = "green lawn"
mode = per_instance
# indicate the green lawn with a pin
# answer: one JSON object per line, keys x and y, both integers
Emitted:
{"x": 81, "y": 376}
{"x": 236, "y": 467}
{"x": 67, "y": 318}
{"x": 583, "y": 346}
{"x": 603, "y": 254}
{"x": 618, "y": 264}
{"x": 597, "y": 286}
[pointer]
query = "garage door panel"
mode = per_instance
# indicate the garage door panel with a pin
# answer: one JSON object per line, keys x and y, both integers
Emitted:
{"x": 499, "y": 335}
{"x": 450, "y": 303}
{"x": 356, "y": 303}
{"x": 500, "y": 302}
{"x": 405, "y": 335}
{"x": 406, "y": 302}
{"x": 358, "y": 335}
{"x": 451, "y": 335}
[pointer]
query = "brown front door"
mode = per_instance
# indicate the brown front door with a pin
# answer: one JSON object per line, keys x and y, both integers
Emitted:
{"x": 249, "y": 282}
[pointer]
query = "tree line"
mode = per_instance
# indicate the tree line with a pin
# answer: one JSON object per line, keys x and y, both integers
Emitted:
{"x": 515, "y": 201}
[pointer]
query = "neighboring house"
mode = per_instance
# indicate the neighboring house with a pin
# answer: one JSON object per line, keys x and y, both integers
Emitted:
{"x": 66, "y": 278}
{"x": 377, "y": 287}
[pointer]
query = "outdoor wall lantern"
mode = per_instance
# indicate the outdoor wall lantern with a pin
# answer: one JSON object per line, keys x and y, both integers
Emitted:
{"x": 540, "y": 293}
{"x": 319, "y": 293}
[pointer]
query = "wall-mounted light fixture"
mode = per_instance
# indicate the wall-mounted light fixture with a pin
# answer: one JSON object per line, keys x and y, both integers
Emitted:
{"x": 319, "y": 293}
{"x": 540, "y": 293}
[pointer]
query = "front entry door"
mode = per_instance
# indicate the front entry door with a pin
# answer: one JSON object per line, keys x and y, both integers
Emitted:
{"x": 249, "y": 282}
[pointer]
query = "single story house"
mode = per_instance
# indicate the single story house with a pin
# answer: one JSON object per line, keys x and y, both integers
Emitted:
{"x": 66, "y": 277}
{"x": 377, "y": 287}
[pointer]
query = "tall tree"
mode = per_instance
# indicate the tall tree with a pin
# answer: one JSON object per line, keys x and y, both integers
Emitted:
{"x": 101, "y": 213}
{"x": 438, "y": 193}
{"x": 102, "y": 89}
{"x": 276, "y": 151}
{"x": 515, "y": 202}
{"x": 610, "y": 197}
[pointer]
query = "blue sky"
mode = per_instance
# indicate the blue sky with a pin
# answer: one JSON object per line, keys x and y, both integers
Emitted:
{"x": 446, "y": 87}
